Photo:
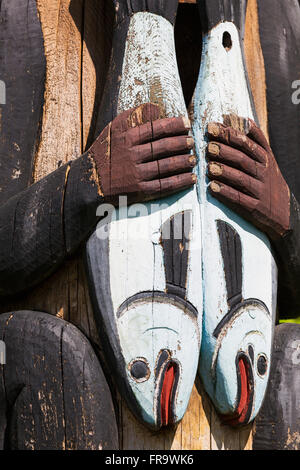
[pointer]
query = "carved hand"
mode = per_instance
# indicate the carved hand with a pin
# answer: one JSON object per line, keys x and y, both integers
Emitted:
{"x": 245, "y": 176}
{"x": 144, "y": 157}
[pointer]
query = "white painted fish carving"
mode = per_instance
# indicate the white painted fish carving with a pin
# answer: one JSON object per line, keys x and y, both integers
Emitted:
{"x": 239, "y": 272}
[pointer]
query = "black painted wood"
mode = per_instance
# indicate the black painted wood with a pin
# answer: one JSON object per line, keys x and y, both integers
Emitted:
{"x": 280, "y": 40}
{"x": 213, "y": 12}
{"x": 188, "y": 41}
{"x": 43, "y": 224}
{"x": 278, "y": 423}
{"x": 81, "y": 200}
{"x": 23, "y": 69}
{"x": 287, "y": 251}
{"x": 53, "y": 392}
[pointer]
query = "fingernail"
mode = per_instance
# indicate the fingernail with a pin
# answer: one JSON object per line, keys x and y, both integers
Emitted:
{"x": 213, "y": 149}
{"x": 215, "y": 187}
{"x": 193, "y": 159}
{"x": 190, "y": 142}
{"x": 213, "y": 129}
{"x": 186, "y": 122}
{"x": 194, "y": 178}
{"x": 215, "y": 169}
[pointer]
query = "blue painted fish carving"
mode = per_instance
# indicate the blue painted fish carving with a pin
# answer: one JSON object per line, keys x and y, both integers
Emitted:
{"x": 239, "y": 271}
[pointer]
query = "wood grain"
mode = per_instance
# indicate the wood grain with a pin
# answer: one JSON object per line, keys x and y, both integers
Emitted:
{"x": 277, "y": 427}
{"x": 61, "y": 125}
{"x": 22, "y": 69}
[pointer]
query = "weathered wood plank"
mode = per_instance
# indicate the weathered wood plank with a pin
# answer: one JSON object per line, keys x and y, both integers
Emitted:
{"x": 187, "y": 38}
{"x": 277, "y": 426}
{"x": 23, "y": 70}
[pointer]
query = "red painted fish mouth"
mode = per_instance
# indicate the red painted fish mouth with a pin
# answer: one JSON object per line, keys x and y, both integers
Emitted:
{"x": 167, "y": 394}
{"x": 243, "y": 410}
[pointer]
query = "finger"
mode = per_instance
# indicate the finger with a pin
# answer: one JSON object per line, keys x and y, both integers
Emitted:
{"x": 239, "y": 202}
{"x": 159, "y": 129}
{"x": 249, "y": 127}
{"x": 235, "y": 178}
{"x": 234, "y": 138}
{"x": 167, "y": 167}
{"x": 163, "y": 148}
{"x": 255, "y": 133}
{"x": 235, "y": 158}
{"x": 167, "y": 186}
{"x": 169, "y": 127}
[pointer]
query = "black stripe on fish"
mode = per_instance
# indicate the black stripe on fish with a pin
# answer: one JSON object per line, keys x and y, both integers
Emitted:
{"x": 236, "y": 311}
{"x": 213, "y": 12}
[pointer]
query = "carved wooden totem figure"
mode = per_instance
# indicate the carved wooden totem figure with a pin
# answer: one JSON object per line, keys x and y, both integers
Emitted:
{"x": 240, "y": 291}
{"x": 147, "y": 251}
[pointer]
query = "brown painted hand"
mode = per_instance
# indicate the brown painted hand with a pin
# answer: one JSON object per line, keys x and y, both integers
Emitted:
{"x": 245, "y": 176}
{"x": 144, "y": 157}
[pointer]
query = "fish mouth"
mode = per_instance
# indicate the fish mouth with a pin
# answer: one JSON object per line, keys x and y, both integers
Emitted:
{"x": 242, "y": 413}
{"x": 166, "y": 389}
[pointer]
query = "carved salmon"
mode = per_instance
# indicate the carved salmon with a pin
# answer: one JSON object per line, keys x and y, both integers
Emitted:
{"x": 239, "y": 272}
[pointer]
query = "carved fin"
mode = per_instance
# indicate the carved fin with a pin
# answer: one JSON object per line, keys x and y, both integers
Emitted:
{"x": 175, "y": 235}
{"x": 213, "y": 12}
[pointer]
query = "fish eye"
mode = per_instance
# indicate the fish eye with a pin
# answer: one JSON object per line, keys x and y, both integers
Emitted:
{"x": 139, "y": 369}
{"x": 262, "y": 365}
